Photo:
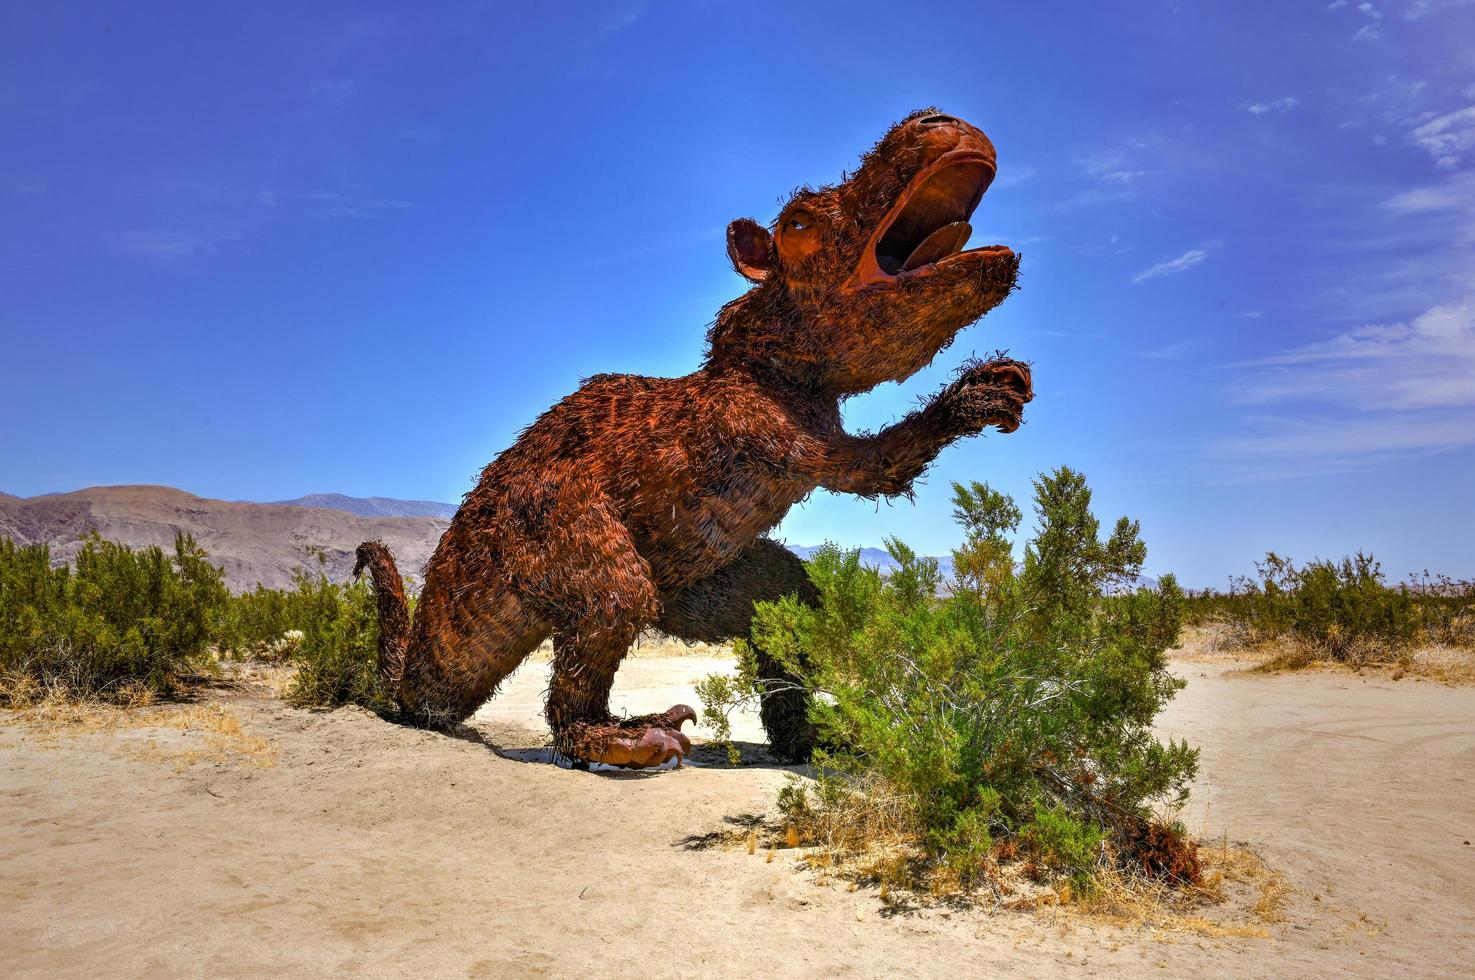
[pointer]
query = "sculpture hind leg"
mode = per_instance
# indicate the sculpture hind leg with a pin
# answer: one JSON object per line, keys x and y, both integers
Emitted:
{"x": 720, "y": 607}
{"x": 597, "y": 590}
{"x": 470, "y": 631}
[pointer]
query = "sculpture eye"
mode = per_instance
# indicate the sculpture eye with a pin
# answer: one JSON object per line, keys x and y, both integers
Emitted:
{"x": 800, "y": 221}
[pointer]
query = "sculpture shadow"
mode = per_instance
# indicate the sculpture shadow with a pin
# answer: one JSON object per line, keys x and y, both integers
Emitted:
{"x": 752, "y": 755}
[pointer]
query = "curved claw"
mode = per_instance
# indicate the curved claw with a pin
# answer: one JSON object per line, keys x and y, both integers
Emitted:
{"x": 678, "y": 713}
{"x": 655, "y": 747}
{"x": 639, "y": 743}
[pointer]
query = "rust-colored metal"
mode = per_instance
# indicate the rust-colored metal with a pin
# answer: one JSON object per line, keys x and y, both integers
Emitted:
{"x": 639, "y": 502}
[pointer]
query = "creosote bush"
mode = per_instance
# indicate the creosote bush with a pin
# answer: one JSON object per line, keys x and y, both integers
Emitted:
{"x": 118, "y": 624}
{"x": 121, "y": 624}
{"x": 337, "y": 656}
{"x": 328, "y": 631}
{"x": 1337, "y": 610}
{"x": 1004, "y": 718}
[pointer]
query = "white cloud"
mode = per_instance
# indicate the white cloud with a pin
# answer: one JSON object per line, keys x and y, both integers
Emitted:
{"x": 167, "y": 244}
{"x": 1171, "y": 352}
{"x": 1422, "y": 8}
{"x": 1173, "y": 266}
{"x": 1448, "y": 138}
{"x": 1367, "y": 32}
{"x": 619, "y": 17}
{"x": 1336, "y": 4}
{"x": 350, "y": 204}
{"x": 1399, "y": 386}
{"x": 1453, "y": 199}
{"x": 1281, "y": 105}
{"x": 1313, "y": 445}
{"x": 1121, "y": 163}
{"x": 1116, "y": 173}
{"x": 1428, "y": 362}
{"x": 1370, "y": 10}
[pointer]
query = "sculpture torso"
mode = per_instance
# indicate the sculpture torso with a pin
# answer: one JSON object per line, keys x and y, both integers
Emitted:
{"x": 694, "y": 467}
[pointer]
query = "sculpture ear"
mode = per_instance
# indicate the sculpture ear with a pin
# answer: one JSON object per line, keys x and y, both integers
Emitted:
{"x": 750, "y": 247}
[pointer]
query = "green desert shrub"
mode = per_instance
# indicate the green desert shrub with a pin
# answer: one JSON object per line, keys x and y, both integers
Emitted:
{"x": 120, "y": 622}
{"x": 1008, "y": 710}
{"x": 117, "y": 623}
{"x": 1342, "y": 610}
{"x": 257, "y": 623}
{"x": 337, "y": 654}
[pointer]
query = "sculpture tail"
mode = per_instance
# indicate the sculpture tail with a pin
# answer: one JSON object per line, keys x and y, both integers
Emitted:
{"x": 394, "y": 612}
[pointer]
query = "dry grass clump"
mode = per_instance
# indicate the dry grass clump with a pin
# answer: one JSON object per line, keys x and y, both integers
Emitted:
{"x": 1437, "y": 662}
{"x": 1323, "y": 613}
{"x": 1449, "y": 664}
{"x": 1237, "y": 895}
{"x": 199, "y": 732}
{"x": 869, "y": 834}
{"x": 1445, "y": 662}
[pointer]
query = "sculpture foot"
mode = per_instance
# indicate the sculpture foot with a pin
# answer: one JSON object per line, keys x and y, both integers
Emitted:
{"x": 635, "y": 743}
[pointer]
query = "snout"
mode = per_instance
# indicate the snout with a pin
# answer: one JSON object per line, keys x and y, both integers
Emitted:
{"x": 940, "y": 134}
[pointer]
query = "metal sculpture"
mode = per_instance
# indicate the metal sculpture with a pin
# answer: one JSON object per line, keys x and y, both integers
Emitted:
{"x": 643, "y": 502}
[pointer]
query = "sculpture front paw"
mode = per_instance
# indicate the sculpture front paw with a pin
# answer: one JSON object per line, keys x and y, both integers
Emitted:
{"x": 990, "y": 393}
{"x": 635, "y": 743}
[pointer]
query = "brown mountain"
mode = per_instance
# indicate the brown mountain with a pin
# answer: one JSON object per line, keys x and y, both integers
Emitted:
{"x": 252, "y": 542}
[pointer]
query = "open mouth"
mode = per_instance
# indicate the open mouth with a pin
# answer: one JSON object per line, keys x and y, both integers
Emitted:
{"x": 929, "y": 224}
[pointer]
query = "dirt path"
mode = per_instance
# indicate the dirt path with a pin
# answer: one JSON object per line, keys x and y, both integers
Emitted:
{"x": 372, "y": 849}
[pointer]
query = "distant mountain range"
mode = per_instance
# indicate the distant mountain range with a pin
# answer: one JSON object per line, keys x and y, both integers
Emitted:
{"x": 252, "y": 542}
{"x": 373, "y": 506}
{"x": 877, "y": 558}
{"x": 266, "y": 542}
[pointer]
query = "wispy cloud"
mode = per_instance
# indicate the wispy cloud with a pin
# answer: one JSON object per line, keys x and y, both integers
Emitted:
{"x": 1172, "y": 267}
{"x": 188, "y": 219}
{"x": 1014, "y": 175}
{"x": 1280, "y": 447}
{"x": 347, "y": 204}
{"x": 618, "y": 17}
{"x": 1120, "y": 163}
{"x": 1448, "y": 138}
{"x": 1428, "y": 362}
{"x": 1170, "y": 352}
{"x": 622, "y": 15}
{"x": 1423, "y": 8}
{"x": 1281, "y": 105}
{"x": 169, "y": 243}
{"x": 1453, "y": 200}
{"x": 1383, "y": 391}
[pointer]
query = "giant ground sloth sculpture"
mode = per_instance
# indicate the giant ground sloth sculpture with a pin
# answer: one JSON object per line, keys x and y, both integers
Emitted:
{"x": 639, "y": 502}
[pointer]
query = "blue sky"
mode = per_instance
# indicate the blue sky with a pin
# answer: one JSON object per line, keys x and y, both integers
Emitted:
{"x": 261, "y": 250}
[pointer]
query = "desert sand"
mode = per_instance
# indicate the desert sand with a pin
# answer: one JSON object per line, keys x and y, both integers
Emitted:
{"x": 337, "y": 842}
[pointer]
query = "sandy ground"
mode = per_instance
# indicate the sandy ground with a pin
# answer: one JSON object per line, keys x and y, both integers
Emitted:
{"x": 345, "y": 844}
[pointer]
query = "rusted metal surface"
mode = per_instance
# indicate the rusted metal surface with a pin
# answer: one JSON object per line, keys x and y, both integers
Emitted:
{"x": 639, "y": 502}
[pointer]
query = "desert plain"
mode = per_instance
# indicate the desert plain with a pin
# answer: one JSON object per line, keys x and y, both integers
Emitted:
{"x": 241, "y": 837}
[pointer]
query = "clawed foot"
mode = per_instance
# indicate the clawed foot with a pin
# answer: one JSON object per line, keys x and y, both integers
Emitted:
{"x": 635, "y": 743}
{"x": 992, "y": 393}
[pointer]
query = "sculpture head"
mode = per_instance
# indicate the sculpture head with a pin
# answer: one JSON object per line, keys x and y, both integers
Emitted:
{"x": 866, "y": 281}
